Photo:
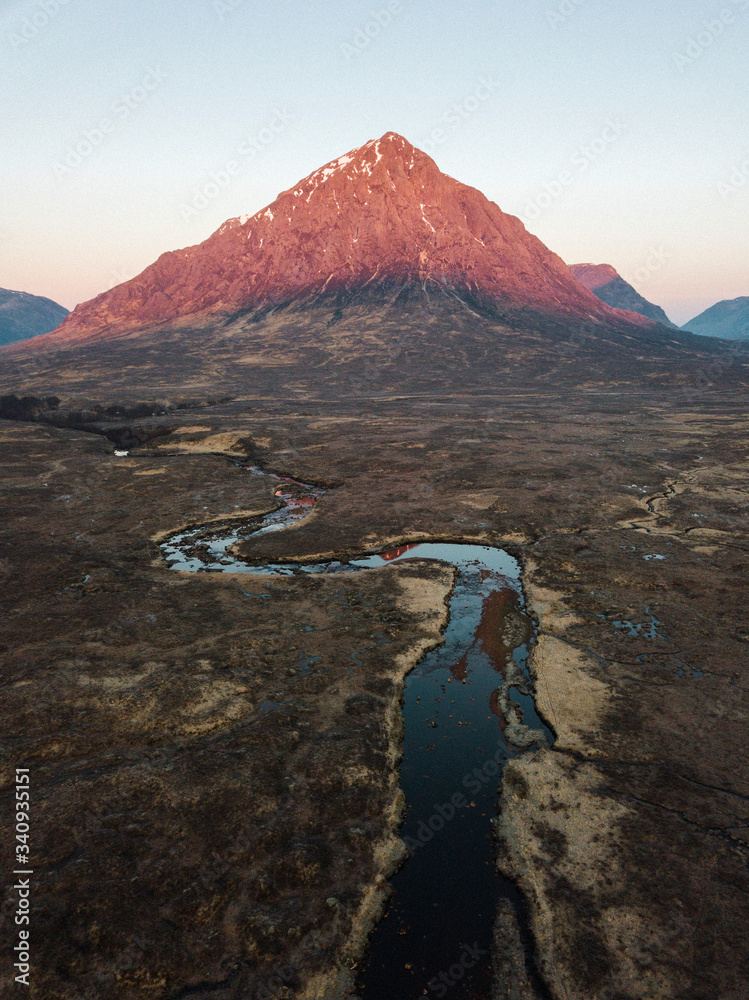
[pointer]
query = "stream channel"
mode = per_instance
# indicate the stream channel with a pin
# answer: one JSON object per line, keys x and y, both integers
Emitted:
{"x": 468, "y": 708}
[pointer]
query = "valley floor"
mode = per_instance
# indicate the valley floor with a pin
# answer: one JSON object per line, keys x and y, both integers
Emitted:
{"x": 211, "y": 821}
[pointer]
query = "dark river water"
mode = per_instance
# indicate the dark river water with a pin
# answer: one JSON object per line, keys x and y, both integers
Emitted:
{"x": 468, "y": 708}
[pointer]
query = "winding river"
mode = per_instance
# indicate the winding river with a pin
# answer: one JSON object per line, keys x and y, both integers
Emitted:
{"x": 468, "y": 708}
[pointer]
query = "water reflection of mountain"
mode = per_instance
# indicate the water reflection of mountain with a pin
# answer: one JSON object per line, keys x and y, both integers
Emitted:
{"x": 397, "y": 552}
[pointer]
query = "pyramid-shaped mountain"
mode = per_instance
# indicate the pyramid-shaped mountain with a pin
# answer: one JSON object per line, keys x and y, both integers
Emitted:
{"x": 382, "y": 214}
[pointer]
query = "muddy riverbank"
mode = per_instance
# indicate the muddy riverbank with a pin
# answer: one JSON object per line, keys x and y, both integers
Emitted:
{"x": 450, "y": 894}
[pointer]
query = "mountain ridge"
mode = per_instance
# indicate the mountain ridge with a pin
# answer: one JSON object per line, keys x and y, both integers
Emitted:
{"x": 728, "y": 319}
{"x": 608, "y": 285}
{"x": 24, "y": 316}
{"x": 382, "y": 213}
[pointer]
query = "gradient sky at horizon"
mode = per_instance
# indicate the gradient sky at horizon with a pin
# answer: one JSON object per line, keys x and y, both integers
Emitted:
{"x": 616, "y": 132}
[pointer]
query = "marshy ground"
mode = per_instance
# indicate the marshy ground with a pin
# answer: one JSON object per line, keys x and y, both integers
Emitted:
{"x": 215, "y": 789}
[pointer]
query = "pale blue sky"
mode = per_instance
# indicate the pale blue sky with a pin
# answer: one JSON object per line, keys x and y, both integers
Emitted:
{"x": 599, "y": 123}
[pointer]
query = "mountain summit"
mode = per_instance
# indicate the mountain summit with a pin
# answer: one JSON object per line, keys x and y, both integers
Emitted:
{"x": 382, "y": 214}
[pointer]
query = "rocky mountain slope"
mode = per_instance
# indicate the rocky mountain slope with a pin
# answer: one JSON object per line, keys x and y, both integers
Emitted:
{"x": 381, "y": 215}
{"x": 606, "y": 282}
{"x": 23, "y": 316}
{"x": 728, "y": 319}
{"x": 377, "y": 274}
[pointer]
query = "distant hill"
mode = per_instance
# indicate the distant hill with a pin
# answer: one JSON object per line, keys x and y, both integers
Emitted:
{"x": 606, "y": 282}
{"x": 23, "y": 316}
{"x": 728, "y": 319}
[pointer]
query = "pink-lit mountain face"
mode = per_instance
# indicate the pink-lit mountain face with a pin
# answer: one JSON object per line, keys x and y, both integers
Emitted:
{"x": 594, "y": 276}
{"x": 380, "y": 214}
